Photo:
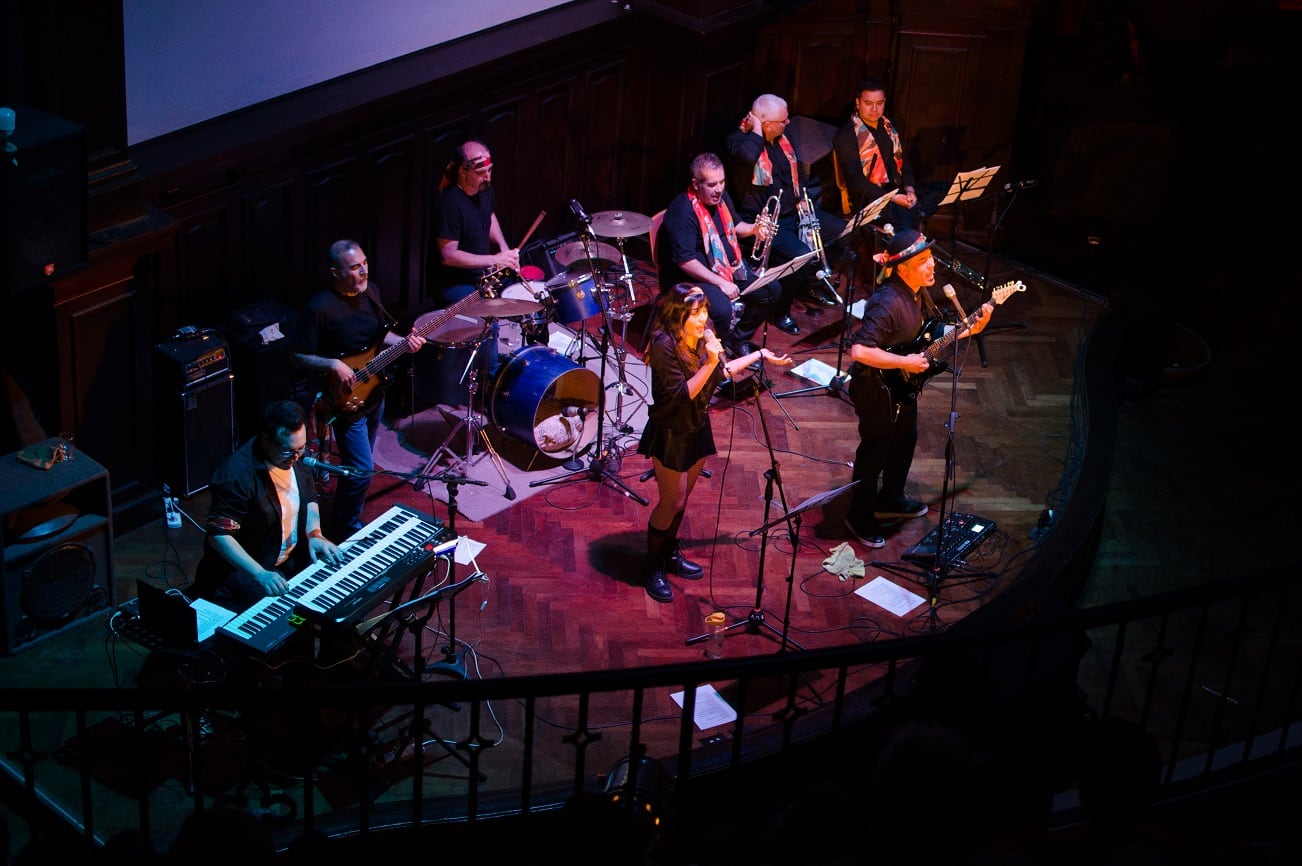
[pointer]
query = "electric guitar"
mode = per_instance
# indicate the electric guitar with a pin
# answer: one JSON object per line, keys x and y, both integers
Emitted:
{"x": 931, "y": 341}
{"x": 369, "y": 366}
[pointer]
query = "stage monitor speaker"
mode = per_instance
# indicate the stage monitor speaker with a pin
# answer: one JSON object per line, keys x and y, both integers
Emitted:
{"x": 196, "y": 430}
{"x": 53, "y": 586}
{"x": 43, "y": 205}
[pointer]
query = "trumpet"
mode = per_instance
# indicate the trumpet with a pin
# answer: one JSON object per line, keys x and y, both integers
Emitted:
{"x": 766, "y": 223}
{"x": 811, "y": 234}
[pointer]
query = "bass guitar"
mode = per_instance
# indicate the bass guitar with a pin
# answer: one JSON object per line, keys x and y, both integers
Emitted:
{"x": 931, "y": 341}
{"x": 369, "y": 366}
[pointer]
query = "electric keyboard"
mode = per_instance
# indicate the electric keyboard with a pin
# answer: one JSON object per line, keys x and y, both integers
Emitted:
{"x": 962, "y": 533}
{"x": 378, "y": 560}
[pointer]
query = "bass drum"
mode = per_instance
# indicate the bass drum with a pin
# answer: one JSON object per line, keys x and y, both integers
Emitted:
{"x": 531, "y": 395}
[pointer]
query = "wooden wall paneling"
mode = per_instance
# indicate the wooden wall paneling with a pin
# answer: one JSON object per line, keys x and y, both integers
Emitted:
{"x": 206, "y": 265}
{"x": 334, "y": 208}
{"x": 395, "y": 177}
{"x": 606, "y": 150}
{"x": 516, "y": 158}
{"x": 104, "y": 331}
{"x": 266, "y": 265}
{"x": 555, "y": 155}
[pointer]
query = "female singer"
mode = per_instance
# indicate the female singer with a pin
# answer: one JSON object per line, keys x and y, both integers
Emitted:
{"x": 687, "y": 365}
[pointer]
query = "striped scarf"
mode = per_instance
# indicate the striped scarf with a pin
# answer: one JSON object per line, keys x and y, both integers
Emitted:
{"x": 763, "y": 175}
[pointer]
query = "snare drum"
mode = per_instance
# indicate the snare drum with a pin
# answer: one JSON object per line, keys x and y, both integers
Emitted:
{"x": 532, "y": 328}
{"x": 455, "y": 354}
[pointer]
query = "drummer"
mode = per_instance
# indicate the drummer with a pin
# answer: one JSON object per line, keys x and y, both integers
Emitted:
{"x": 466, "y": 232}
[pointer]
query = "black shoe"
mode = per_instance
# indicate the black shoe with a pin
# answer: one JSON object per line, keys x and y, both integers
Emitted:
{"x": 682, "y": 566}
{"x": 788, "y": 324}
{"x": 658, "y": 587}
{"x": 865, "y": 537}
{"x": 905, "y": 507}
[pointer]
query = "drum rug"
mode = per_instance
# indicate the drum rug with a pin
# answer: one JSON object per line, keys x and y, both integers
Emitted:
{"x": 539, "y": 407}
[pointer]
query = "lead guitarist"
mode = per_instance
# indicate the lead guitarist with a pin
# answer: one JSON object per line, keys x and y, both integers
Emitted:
{"x": 344, "y": 322}
{"x": 888, "y": 429}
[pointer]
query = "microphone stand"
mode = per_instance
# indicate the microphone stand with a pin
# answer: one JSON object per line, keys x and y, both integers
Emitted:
{"x": 597, "y": 469}
{"x": 941, "y": 567}
{"x": 755, "y": 620}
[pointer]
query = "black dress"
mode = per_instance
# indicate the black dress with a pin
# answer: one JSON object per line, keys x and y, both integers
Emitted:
{"x": 677, "y": 431}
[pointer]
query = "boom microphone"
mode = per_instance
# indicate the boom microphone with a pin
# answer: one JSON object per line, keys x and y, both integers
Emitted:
{"x": 313, "y": 463}
{"x": 579, "y": 212}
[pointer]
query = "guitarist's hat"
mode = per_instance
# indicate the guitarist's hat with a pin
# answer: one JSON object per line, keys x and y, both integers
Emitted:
{"x": 904, "y": 245}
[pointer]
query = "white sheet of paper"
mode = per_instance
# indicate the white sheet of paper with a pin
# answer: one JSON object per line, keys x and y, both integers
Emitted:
{"x": 884, "y": 593}
{"x": 209, "y": 617}
{"x": 467, "y": 550}
{"x": 815, "y": 371}
{"x": 711, "y": 709}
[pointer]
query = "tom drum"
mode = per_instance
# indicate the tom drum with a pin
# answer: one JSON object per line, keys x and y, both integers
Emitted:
{"x": 575, "y": 297}
{"x": 459, "y": 351}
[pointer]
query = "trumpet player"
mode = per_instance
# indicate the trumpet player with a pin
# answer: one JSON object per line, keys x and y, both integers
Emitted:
{"x": 762, "y": 165}
{"x": 469, "y": 240}
{"x": 698, "y": 243}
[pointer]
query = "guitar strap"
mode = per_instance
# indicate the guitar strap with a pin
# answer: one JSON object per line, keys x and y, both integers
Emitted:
{"x": 389, "y": 322}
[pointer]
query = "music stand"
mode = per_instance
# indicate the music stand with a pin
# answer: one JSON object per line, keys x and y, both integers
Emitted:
{"x": 836, "y": 383}
{"x": 967, "y": 186}
{"x": 783, "y": 270}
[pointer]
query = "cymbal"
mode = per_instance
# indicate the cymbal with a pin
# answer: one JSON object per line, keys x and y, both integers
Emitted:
{"x": 620, "y": 224}
{"x": 500, "y": 308}
{"x": 571, "y": 253}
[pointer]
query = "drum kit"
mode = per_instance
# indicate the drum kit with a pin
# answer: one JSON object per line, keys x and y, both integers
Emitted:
{"x": 494, "y": 357}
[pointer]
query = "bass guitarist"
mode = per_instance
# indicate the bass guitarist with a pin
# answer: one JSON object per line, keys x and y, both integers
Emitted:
{"x": 888, "y": 426}
{"x": 341, "y": 330}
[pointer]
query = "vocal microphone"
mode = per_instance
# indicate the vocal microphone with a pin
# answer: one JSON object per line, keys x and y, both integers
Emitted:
{"x": 313, "y": 463}
{"x": 823, "y": 275}
{"x": 1029, "y": 183}
{"x": 579, "y": 212}
{"x": 953, "y": 299}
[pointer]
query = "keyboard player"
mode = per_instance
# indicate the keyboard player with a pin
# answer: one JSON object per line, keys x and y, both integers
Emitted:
{"x": 264, "y": 522}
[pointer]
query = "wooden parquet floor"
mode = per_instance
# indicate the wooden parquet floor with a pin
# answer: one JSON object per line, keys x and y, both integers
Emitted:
{"x": 565, "y": 565}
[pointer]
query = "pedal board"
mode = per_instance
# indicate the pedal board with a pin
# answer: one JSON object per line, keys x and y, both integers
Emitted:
{"x": 963, "y": 532}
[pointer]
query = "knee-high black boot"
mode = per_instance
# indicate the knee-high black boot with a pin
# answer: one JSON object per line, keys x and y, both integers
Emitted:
{"x": 657, "y": 544}
{"x": 675, "y": 562}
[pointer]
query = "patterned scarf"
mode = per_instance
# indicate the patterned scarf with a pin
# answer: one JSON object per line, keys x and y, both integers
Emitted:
{"x": 763, "y": 175}
{"x": 868, "y": 146}
{"x": 720, "y": 260}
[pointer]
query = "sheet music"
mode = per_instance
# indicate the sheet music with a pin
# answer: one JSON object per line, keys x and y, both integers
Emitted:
{"x": 782, "y": 270}
{"x": 209, "y": 617}
{"x": 969, "y": 184}
{"x": 871, "y": 211}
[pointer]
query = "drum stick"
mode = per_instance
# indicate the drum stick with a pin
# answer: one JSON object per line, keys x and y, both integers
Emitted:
{"x": 524, "y": 240}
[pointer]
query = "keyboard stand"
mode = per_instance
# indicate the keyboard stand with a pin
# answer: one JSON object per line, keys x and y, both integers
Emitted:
{"x": 384, "y": 637}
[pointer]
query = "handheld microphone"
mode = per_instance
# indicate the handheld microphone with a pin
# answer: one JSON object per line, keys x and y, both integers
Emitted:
{"x": 579, "y": 212}
{"x": 1029, "y": 183}
{"x": 313, "y": 463}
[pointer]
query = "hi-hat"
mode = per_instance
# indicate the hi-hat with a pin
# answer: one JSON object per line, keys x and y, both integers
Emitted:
{"x": 568, "y": 254}
{"x": 498, "y": 308}
{"x": 620, "y": 224}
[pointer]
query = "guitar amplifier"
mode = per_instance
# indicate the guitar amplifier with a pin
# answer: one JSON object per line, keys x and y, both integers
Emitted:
{"x": 192, "y": 355}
